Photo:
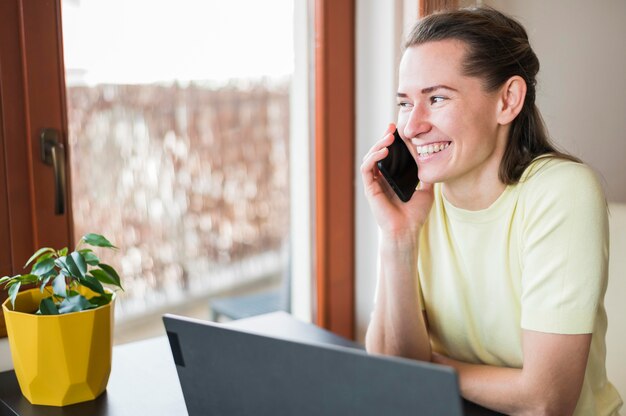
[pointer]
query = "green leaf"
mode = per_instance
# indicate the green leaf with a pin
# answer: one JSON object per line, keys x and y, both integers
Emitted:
{"x": 22, "y": 278}
{"x": 80, "y": 262}
{"x": 44, "y": 256}
{"x": 61, "y": 263}
{"x": 47, "y": 307}
{"x": 102, "y": 300}
{"x": 45, "y": 281}
{"x": 15, "y": 287}
{"x": 62, "y": 252}
{"x": 113, "y": 274}
{"x": 5, "y": 279}
{"x": 60, "y": 286}
{"x": 51, "y": 273}
{"x": 74, "y": 304}
{"x": 90, "y": 257}
{"x": 29, "y": 278}
{"x": 43, "y": 266}
{"x": 92, "y": 283}
{"x": 97, "y": 240}
{"x": 74, "y": 271}
{"x": 103, "y": 277}
{"x": 37, "y": 254}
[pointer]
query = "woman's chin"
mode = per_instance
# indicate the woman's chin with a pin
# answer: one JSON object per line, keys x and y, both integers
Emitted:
{"x": 430, "y": 177}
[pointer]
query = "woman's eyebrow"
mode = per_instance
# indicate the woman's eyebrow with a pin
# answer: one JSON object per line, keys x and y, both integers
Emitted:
{"x": 428, "y": 90}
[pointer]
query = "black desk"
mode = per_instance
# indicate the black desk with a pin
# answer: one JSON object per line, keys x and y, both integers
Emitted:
{"x": 143, "y": 377}
{"x": 143, "y": 381}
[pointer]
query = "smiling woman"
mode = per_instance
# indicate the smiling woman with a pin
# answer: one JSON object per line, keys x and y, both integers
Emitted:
{"x": 479, "y": 269}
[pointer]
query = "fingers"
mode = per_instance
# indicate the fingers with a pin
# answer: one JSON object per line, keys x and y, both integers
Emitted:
{"x": 369, "y": 170}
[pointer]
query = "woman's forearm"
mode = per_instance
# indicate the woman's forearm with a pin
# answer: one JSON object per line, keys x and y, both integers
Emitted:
{"x": 512, "y": 391}
{"x": 397, "y": 326}
{"x": 493, "y": 387}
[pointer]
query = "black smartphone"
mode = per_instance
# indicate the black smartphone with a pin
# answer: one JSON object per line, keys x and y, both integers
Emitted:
{"x": 399, "y": 168}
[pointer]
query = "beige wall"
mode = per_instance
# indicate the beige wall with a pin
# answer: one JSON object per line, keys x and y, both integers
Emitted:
{"x": 581, "y": 45}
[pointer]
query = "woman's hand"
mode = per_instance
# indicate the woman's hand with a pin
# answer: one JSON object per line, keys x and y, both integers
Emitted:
{"x": 393, "y": 330}
{"x": 394, "y": 217}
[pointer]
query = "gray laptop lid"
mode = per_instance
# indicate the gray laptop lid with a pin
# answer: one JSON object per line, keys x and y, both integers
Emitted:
{"x": 228, "y": 371}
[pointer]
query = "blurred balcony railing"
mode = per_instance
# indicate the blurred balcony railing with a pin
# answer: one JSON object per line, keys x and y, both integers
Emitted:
{"x": 189, "y": 181}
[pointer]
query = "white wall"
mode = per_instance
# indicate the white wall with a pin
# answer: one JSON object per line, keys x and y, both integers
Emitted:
{"x": 378, "y": 40}
{"x": 581, "y": 46}
{"x": 300, "y": 168}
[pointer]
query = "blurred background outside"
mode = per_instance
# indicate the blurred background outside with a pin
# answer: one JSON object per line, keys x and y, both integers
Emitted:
{"x": 178, "y": 118}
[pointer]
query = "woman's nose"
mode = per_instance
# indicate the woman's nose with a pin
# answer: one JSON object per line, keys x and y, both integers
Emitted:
{"x": 417, "y": 123}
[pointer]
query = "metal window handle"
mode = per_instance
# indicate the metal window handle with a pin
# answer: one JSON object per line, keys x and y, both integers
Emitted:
{"x": 53, "y": 153}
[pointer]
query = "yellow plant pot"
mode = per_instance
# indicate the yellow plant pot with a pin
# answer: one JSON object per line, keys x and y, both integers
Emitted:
{"x": 59, "y": 359}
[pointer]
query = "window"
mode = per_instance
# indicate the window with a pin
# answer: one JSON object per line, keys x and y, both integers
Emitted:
{"x": 179, "y": 140}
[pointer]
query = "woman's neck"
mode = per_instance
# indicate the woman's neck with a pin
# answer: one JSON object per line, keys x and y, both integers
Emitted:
{"x": 476, "y": 191}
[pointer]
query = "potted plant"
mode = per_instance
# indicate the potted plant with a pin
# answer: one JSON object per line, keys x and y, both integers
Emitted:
{"x": 61, "y": 331}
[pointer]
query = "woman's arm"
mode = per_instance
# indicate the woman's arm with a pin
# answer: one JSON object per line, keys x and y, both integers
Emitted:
{"x": 548, "y": 384}
{"x": 397, "y": 326}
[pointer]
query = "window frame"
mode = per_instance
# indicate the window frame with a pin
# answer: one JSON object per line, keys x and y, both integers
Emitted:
{"x": 334, "y": 165}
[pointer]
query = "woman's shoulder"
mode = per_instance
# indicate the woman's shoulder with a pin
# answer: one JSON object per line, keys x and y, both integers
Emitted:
{"x": 549, "y": 171}
{"x": 555, "y": 178}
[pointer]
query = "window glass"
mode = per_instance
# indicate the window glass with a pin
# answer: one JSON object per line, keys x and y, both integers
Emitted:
{"x": 178, "y": 116}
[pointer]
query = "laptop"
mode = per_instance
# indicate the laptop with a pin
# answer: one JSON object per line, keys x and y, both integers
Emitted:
{"x": 287, "y": 367}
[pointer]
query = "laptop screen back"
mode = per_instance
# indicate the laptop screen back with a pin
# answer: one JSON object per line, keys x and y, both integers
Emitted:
{"x": 226, "y": 371}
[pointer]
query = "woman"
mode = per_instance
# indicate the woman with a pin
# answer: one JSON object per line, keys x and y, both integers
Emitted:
{"x": 504, "y": 245}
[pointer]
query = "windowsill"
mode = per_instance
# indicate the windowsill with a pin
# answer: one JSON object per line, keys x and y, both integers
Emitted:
{"x": 5, "y": 355}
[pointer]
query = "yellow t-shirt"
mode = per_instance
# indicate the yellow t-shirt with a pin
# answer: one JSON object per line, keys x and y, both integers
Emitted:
{"x": 536, "y": 259}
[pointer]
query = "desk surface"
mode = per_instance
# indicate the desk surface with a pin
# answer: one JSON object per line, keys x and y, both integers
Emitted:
{"x": 144, "y": 381}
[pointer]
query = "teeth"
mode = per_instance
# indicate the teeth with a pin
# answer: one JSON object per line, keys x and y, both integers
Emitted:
{"x": 432, "y": 148}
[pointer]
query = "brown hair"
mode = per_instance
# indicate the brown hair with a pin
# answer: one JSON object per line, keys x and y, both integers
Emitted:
{"x": 497, "y": 49}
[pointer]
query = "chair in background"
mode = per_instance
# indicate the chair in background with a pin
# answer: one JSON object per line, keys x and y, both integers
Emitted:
{"x": 259, "y": 303}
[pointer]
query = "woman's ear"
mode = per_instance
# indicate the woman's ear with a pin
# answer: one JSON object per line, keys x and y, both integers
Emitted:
{"x": 512, "y": 95}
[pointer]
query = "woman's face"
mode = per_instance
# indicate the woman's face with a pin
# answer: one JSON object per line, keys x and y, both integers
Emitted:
{"x": 448, "y": 117}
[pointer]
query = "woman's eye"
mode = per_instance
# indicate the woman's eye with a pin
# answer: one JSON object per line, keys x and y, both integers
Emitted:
{"x": 404, "y": 104}
{"x": 437, "y": 99}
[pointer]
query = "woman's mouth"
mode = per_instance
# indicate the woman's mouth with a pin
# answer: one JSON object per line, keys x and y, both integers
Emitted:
{"x": 432, "y": 148}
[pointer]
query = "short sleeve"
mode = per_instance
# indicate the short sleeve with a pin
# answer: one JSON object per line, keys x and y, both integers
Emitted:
{"x": 564, "y": 249}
